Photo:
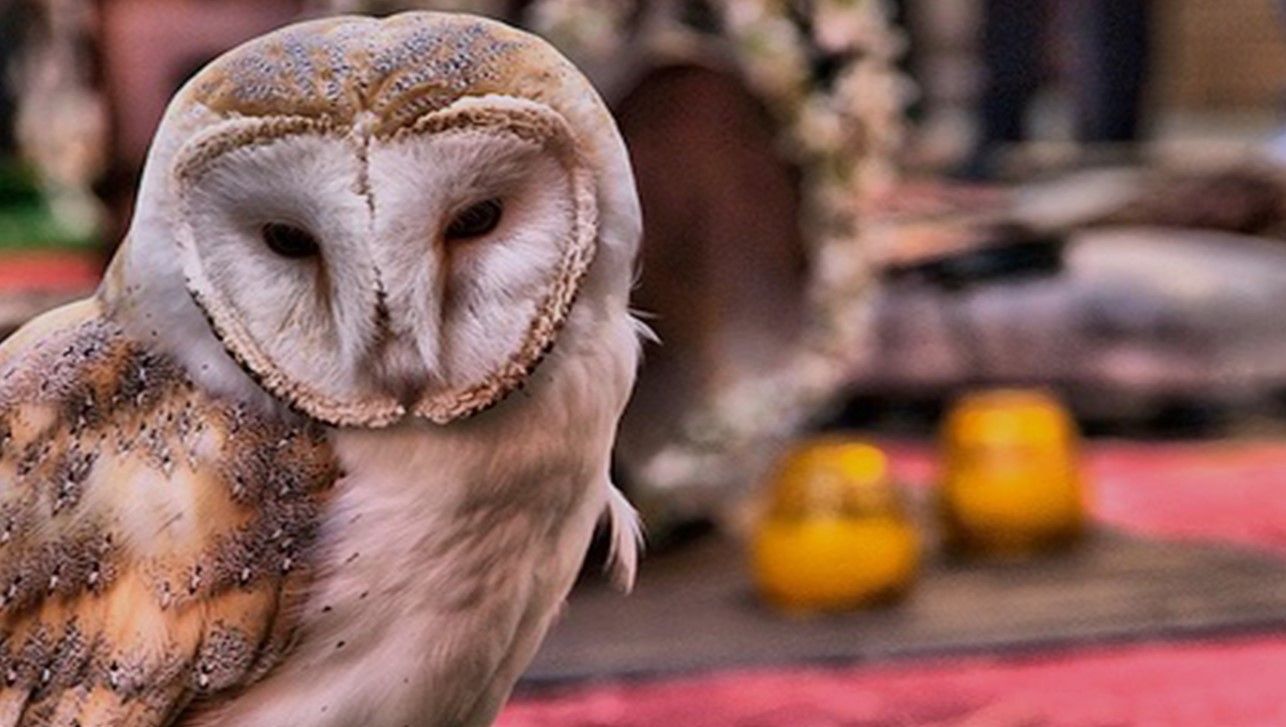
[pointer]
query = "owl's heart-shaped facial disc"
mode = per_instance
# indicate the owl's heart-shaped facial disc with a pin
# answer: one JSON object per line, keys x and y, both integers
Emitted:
{"x": 365, "y": 273}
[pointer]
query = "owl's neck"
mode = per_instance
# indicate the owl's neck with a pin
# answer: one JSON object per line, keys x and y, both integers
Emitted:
{"x": 144, "y": 293}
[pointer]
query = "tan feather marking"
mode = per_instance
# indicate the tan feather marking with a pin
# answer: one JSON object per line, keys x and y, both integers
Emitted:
{"x": 396, "y": 69}
{"x": 150, "y": 536}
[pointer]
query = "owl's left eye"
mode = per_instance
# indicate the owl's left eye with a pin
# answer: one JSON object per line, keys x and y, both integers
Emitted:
{"x": 289, "y": 241}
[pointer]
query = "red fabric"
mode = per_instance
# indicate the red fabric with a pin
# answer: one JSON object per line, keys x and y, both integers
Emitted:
{"x": 1230, "y": 684}
{"x": 52, "y": 271}
{"x": 1227, "y": 491}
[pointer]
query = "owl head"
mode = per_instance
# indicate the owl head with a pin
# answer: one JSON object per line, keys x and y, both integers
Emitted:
{"x": 382, "y": 219}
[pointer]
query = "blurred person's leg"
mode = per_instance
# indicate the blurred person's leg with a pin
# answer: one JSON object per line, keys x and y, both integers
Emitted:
{"x": 15, "y": 17}
{"x": 1013, "y": 58}
{"x": 1112, "y": 45}
{"x": 1277, "y": 147}
{"x": 909, "y": 63}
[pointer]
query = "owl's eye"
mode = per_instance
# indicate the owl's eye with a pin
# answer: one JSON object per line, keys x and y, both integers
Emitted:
{"x": 475, "y": 221}
{"x": 289, "y": 241}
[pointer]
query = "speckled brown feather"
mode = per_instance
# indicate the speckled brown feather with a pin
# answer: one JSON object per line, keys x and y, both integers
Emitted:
{"x": 151, "y": 537}
{"x": 391, "y": 71}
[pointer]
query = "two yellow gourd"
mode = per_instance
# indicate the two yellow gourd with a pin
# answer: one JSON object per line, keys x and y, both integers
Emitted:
{"x": 835, "y": 534}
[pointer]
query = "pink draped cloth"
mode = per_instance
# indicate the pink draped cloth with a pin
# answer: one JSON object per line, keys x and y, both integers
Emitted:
{"x": 1234, "y": 683}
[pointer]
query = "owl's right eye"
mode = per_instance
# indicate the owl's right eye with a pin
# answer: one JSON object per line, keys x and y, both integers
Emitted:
{"x": 475, "y": 221}
{"x": 289, "y": 241}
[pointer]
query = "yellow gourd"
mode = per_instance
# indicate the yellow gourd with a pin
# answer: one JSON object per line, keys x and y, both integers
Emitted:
{"x": 835, "y": 534}
{"x": 1012, "y": 480}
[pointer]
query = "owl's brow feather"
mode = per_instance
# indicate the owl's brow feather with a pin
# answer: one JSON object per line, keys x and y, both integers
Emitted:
{"x": 396, "y": 68}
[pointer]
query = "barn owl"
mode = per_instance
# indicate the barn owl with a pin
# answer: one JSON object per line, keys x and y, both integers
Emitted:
{"x": 329, "y": 444}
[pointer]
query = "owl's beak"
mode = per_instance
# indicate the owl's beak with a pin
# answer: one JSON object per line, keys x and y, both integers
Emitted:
{"x": 404, "y": 355}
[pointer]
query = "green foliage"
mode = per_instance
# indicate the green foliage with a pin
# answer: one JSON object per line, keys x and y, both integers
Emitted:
{"x": 26, "y": 218}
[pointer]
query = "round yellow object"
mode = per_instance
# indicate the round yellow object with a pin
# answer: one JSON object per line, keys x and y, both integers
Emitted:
{"x": 835, "y": 534}
{"x": 833, "y": 563}
{"x": 1012, "y": 481}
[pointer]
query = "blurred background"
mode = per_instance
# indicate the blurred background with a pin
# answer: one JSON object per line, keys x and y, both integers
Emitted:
{"x": 970, "y": 401}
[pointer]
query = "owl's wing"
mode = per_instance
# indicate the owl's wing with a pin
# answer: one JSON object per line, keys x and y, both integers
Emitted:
{"x": 151, "y": 537}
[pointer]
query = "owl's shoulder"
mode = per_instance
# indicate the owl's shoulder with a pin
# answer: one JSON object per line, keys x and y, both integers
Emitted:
{"x": 151, "y": 535}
